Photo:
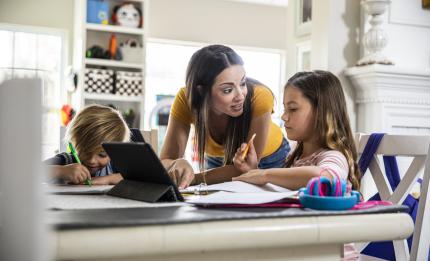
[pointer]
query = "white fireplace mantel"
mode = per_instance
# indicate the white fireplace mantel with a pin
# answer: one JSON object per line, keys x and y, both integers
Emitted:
{"x": 391, "y": 99}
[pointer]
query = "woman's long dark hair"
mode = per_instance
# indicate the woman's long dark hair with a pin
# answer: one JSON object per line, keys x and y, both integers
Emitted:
{"x": 204, "y": 66}
{"x": 324, "y": 91}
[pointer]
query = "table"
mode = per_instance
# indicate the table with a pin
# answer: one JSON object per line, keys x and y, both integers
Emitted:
{"x": 187, "y": 233}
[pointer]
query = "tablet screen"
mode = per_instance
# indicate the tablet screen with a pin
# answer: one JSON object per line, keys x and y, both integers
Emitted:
{"x": 138, "y": 161}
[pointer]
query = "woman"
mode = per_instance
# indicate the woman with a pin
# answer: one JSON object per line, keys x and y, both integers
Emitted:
{"x": 226, "y": 109}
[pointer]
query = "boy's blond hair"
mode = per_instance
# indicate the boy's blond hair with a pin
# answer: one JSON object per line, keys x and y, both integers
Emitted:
{"x": 94, "y": 125}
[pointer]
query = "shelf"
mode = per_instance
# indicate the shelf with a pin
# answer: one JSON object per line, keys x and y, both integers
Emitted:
{"x": 112, "y": 97}
{"x": 112, "y": 63}
{"x": 90, "y": 34}
{"x": 114, "y": 29}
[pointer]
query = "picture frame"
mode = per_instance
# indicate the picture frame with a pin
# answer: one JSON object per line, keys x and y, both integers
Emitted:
{"x": 303, "y": 17}
{"x": 303, "y": 51}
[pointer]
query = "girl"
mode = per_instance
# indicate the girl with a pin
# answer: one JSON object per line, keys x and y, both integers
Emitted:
{"x": 226, "y": 108}
{"x": 90, "y": 128}
{"x": 315, "y": 116}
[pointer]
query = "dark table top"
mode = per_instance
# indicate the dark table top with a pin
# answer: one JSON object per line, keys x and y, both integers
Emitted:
{"x": 123, "y": 217}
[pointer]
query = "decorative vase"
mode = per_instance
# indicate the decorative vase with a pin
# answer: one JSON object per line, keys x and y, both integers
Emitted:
{"x": 375, "y": 39}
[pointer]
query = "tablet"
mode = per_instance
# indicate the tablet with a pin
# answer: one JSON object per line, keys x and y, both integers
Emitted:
{"x": 137, "y": 161}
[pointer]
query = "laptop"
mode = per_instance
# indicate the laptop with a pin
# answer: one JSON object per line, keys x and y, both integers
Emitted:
{"x": 145, "y": 178}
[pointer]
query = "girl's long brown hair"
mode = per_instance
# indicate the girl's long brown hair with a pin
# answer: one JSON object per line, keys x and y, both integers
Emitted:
{"x": 324, "y": 91}
{"x": 204, "y": 66}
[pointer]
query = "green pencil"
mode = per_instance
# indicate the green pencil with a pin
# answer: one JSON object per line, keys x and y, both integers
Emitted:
{"x": 75, "y": 155}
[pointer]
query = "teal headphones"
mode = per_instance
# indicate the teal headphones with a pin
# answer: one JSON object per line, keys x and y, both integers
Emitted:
{"x": 324, "y": 194}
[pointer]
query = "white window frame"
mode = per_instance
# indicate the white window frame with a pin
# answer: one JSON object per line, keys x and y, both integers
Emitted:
{"x": 63, "y": 34}
{"x": 49, "y": 31}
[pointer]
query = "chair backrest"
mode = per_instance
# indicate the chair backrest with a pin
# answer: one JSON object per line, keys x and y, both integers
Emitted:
{"x": 151, "y": 137}
{"x": 408, "y": 146}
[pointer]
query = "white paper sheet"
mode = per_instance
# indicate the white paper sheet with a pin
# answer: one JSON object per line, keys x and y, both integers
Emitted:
{"x": 223, "y": 197}
{"x": 99, "y": 202}
{"x": 76, "y": 189}
{"x": 236, "y": 186}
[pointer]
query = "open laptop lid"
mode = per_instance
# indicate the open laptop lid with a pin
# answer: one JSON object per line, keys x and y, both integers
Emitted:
{"x": 137, "y": 161}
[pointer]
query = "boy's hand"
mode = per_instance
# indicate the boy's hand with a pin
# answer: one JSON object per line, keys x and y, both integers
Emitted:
{"x": 74, "y": 173}
{"x": 249, "y": 162}
{"x": 112, "y": 179}
{"x": 255, "y": 176}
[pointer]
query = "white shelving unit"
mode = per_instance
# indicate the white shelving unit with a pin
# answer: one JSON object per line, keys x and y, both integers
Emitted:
{"x": 114, "y": 29}
{"x": 112, "y": 63}
{"x": 87, "y": 35}
{"x": 110, "y": 97}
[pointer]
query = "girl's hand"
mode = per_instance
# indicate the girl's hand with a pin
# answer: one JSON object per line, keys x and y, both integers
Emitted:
{"x": 249, "y": 162}
{"x": 111, "y": 179}
{"x": 74, "y": 173}
{"x": 255, "y": 176}
{"x": 181, "y": 173}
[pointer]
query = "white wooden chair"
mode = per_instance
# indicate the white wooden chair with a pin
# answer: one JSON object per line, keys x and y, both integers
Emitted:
{"x": 408, "y": 146}
{"x": 151, "y": 137}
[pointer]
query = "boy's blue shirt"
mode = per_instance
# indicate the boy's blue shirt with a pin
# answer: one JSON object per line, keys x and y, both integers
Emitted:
{"x": 107, "y": 170}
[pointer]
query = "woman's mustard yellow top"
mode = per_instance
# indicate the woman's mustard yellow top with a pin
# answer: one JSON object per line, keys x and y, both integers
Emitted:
{"x": 261, "y": 102}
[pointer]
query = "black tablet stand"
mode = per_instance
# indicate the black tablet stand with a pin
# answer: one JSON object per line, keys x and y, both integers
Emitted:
{"x": 143, "y": 191}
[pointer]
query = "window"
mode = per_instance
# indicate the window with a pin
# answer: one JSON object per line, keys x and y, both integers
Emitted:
{"x": 167, "y": 61}
{"x": 37, "y": 53}
{"x": 166, "y": 64}
{"x": 267, "y": 66}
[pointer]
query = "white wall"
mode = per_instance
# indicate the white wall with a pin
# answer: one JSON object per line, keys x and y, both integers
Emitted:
{"x": 333, "y": 38}
{"x": 293, "y": 40}
{"x": 216, "y": 21}
{"x": 56, "y": 14}
{"x": 335, "y": 28}
{"x": 335, "y": 34}
{"x": 407, "y": 26}
{"x": 208, "y": 21}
